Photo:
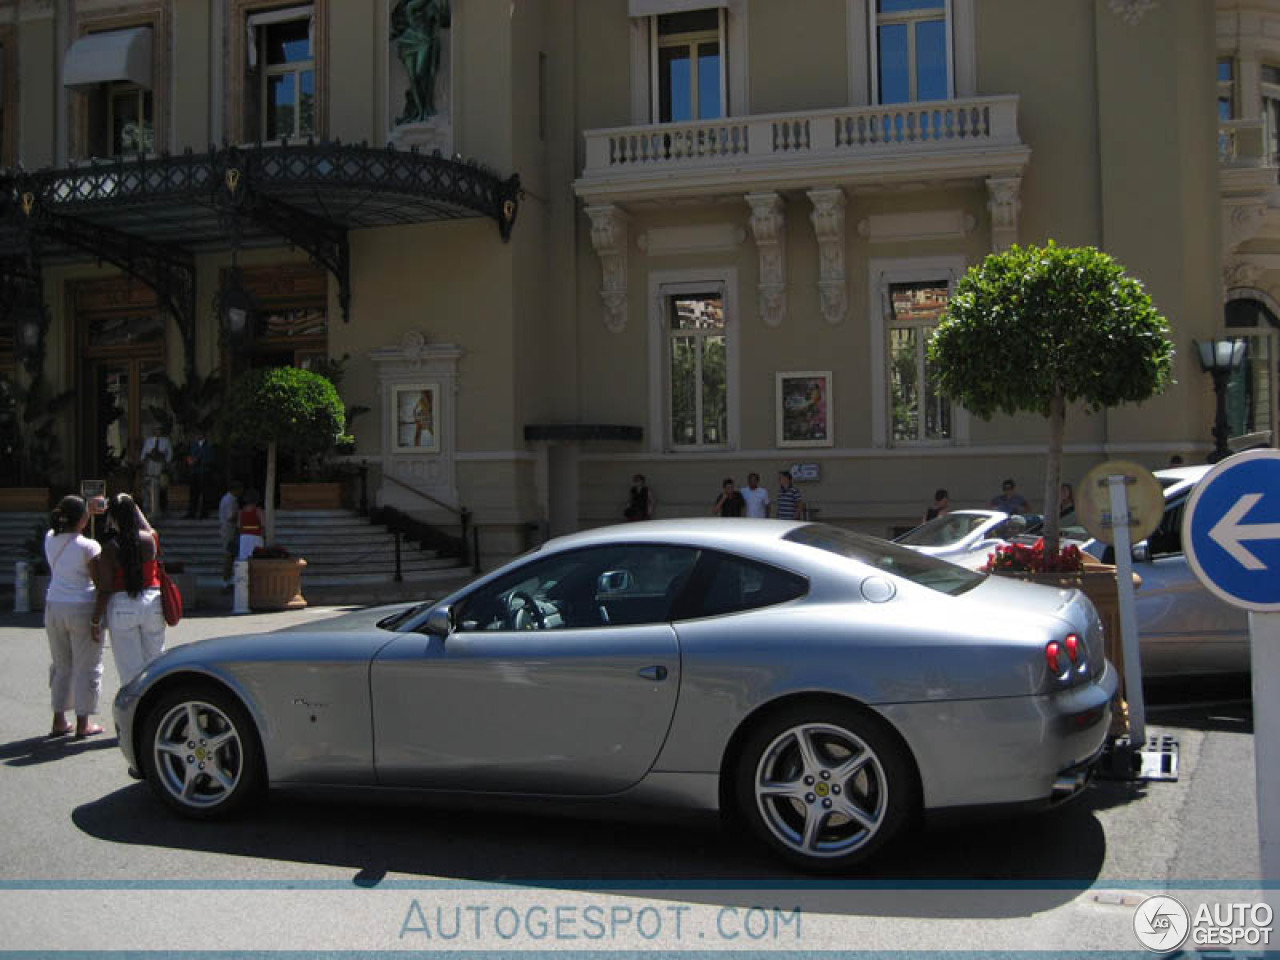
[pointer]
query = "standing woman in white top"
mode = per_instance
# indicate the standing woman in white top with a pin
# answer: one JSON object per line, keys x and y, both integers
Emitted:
{"x": 75, "y": 674}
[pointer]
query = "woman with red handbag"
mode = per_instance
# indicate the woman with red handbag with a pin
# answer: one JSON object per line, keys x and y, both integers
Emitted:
{"x": 130, "y": 589}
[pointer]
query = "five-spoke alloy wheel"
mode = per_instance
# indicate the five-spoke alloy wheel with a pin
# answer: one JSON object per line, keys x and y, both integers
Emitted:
{"x": 826, "y": 786}
{"x": 200, "y": 752}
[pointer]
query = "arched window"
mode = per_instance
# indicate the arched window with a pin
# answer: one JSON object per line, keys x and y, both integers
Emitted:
{"x": 1251, "y": 392}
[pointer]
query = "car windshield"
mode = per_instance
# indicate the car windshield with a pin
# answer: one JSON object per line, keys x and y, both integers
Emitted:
{"x": 889, "y": 557}
{"x": 940, "y": 531}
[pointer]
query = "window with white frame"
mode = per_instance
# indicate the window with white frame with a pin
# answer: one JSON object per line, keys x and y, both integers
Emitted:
{"x": 1271, "y": 109}
{"x": 912, "y": 50}
{"x": 1251, "y": 392}
{"x": 688, "y": 65}
{"x": 282, "y": 55}
{"x": 697, "y": 367}
{"x": 1226, "y": 88}
{"x": 917, "y": 412}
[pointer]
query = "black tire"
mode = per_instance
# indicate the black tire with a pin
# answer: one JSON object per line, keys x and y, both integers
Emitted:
{"x": 200, "y": 753}
{"x": 835, "y": 807}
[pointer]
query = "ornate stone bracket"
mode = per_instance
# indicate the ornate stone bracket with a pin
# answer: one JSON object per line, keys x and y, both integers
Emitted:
{"x": 1131, "y": 11}
{"x": 768, "y": 227}
{"x": 1236, "y": 274}
{"x": 827, "y": 218}
{"x": 1004, "y": 203}
{"x": 1241, "y": 221}
{"x": 609, "y": 238}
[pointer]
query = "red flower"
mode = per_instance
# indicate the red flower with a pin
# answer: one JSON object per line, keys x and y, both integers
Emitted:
{"x": 1019, "y": 558}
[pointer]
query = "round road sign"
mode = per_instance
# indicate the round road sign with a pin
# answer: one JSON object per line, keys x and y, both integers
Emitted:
{"x": 1142, "y": 490}
{"x": 1231, "y": 530}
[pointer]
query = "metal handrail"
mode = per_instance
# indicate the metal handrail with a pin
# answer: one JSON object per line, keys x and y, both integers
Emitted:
{"x": 456, "y": 511}
{"x": 468, "y": 548}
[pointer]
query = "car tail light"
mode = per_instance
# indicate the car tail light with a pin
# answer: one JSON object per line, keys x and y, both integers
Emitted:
{"x": 1072, "y": 643}
{"x": 1053, "y": 654}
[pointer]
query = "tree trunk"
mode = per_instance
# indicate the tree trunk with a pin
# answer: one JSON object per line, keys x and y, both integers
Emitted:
{"x": 1053, "y": 472}
{"x": 269, "y": 497}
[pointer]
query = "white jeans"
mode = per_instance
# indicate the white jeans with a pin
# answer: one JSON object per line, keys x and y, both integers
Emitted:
{"x": 75, "y": 670}
{"x": 137, "y": 631}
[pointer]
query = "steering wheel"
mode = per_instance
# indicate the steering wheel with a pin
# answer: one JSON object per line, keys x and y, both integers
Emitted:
{"x": 527, "y": 616}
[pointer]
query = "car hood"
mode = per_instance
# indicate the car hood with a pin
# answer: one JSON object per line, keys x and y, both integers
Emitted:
{"x": 367, "y": 618}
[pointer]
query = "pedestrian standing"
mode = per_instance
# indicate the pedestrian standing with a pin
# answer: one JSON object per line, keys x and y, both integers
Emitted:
{"x": 201, "y": 460}
{"x": 229, "y": 528}
{"x": 639, "y": 500}
{"x": 730, "y": 502}
{"x": 941, "y": 504}
{"x": 157, "y": 455}
{"x": 75, "y": 651}
{"x": 249, "y": 523}
{"x": 756, "y": 497}
{"x": 1010, "y": 500}
{"x": 790, "y": 505}
{"x": 129, "y": 589}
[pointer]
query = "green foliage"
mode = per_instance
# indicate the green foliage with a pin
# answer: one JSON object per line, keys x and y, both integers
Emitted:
{"x": 1033, "y": 322}
{"x": 297, "y": 409}
{"x": 191, "y": 405}
{"x": 29, "y": 447}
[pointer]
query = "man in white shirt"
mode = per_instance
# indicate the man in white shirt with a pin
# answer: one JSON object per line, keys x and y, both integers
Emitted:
{"x": 228, "y": 528}
{"x": 756, "y": 496}
{"x": 157, "y": 454}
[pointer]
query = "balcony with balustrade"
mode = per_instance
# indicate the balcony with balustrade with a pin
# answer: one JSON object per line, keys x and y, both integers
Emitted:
{"x": 940, "y": 142}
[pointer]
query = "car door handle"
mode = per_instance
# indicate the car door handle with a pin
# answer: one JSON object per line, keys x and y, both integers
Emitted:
{"x": 654, "y": 673}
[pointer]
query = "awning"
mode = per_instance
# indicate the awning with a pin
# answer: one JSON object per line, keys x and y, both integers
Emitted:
{"x": 653, "y": 8}
{"x": 109, "y": 57}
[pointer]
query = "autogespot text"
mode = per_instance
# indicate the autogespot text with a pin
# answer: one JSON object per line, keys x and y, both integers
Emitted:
{"x": 671, "y": 923}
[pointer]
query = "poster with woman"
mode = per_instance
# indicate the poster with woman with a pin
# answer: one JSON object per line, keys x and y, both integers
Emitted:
{"x": 417, "y": 424}
{"x": 804, "y": 414}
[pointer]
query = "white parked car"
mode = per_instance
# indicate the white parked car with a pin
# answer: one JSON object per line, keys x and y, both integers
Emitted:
{"x": 967, "y": 537}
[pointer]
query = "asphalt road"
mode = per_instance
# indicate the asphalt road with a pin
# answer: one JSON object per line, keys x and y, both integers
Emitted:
{"x": 73, "y": 825}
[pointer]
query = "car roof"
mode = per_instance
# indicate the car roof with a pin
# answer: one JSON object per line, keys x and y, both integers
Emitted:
{"x": 727, "y": 532}
{"x": 1176, "y": 479}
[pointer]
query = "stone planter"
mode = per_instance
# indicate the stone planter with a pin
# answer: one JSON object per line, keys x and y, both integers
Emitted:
{"x": 276, "y": 584}
{"x": 311, "y": 496}
{"x": 24, "y": 499}
{"x": 1098, "y": 581}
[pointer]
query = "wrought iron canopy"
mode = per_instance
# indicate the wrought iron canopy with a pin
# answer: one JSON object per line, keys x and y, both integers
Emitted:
{"x": 146, "y": 211}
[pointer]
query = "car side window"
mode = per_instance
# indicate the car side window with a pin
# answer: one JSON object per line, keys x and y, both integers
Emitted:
{"x": 732, "y": 584}
{"x": 615, "y": 585}
{"x": 1166, "y": 540}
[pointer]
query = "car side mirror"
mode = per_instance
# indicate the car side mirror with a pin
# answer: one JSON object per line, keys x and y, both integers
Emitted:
{"x": 1142, "y": 552}
{"x": 440, "y": 621}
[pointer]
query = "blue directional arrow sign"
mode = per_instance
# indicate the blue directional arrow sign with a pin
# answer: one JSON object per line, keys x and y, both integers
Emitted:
{"x": 1231, "y": 531}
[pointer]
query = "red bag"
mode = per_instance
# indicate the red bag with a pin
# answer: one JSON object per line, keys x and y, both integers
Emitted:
{"x": 170, "y": 595}
{"x": 170, "y": 598}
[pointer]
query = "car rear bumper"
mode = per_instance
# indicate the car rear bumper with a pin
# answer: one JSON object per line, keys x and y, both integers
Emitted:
{"x": 1011, "y": 750}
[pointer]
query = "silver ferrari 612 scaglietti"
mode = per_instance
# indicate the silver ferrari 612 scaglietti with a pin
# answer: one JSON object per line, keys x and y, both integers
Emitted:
{"x": 822, "y": 685}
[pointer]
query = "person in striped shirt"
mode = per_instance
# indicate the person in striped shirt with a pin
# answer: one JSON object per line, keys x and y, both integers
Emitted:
{"x": 789, "y": 503}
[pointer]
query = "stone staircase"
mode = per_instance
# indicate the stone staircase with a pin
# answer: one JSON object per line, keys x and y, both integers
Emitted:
{"x": 349, "y": 560}
{"x": 341, "y": 548}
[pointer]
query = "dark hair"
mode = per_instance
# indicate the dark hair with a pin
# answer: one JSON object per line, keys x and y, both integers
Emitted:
{"x": 250, "y": 498}
{"x": 124, "y": 516}
{"x": 785, "y": 473}
{"x": 1008, "y": 484}
{"x": 940, "y": 494}
{"x": 726, "y": 480}
{"x": 237, "y": 487}
{"x": 67, "y": 514}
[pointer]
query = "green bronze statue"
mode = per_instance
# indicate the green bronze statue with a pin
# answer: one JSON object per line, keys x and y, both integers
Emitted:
{"x": 417, "y": 28}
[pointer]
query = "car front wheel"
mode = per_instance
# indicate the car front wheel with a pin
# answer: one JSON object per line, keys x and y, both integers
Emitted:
{"x": 825, "y": 786}
{"x": 200, "y": 753}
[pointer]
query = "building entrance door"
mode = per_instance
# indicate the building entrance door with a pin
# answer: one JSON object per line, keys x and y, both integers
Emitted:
{"x": 122, "y": 395}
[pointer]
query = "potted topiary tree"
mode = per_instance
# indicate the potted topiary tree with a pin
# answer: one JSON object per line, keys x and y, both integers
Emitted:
{"x": 269, "y": 408}
{"x": 1033, "y": 329}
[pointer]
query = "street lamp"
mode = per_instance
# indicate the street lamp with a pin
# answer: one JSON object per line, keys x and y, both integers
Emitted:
{"x": 1220, "y": 359}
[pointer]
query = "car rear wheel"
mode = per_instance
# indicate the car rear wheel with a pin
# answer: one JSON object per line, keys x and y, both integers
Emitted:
{"x": 200, "y": 752}
{"x": 825, "y": 786}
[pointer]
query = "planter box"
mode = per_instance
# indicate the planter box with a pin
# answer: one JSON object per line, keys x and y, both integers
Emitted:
{"x": 1099, "y": 584}
{"x": 276, "y": 584}
{"x": 24, "y": 499}
{"x": 311, "y": 496}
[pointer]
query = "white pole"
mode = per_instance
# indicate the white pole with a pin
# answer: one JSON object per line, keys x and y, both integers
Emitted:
{"x": 1264, "y": 640}
{"x": 240, "y": 599}
{"x": 1128, "y": 612}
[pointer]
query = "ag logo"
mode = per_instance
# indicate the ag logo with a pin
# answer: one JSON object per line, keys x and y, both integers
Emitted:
{"x": 1161, "y": 924}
